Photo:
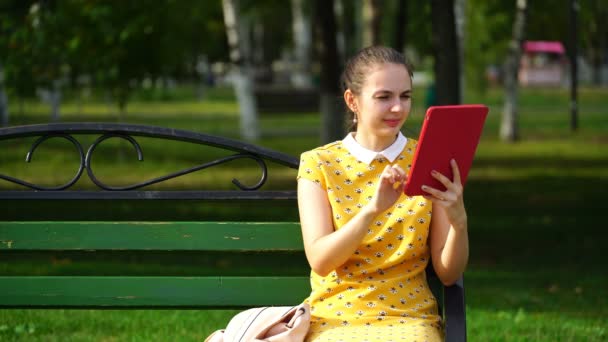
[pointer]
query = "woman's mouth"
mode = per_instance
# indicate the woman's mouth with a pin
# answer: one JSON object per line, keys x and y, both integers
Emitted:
{"x": 392, "y": 122}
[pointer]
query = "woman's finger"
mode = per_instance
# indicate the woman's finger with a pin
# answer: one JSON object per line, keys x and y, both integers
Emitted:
{"x": 400, "y": 172}
{"x": 455, "y": 171}
{"x": 388, "y": 174}
{"x": 441, "y": 178}
{"x": 399, "y": 187}
{"x": 436, "y": 193}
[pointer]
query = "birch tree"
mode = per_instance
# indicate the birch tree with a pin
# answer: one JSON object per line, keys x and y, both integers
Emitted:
{"x": 593, "y": 13}
{"x": 372, "y": 11}
{"x": 460, "y": 21}
{"x": 241, "y": 73}
{"x": 302, "y": 38}
{"x": 340, "y": 32}
{"x": 509, "y": 124}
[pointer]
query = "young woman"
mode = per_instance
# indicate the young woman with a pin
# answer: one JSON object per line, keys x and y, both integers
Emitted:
{"x": 367, "y": 243}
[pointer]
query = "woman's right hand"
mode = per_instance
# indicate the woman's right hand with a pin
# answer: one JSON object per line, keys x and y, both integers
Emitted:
{"x": 390, "y": 188}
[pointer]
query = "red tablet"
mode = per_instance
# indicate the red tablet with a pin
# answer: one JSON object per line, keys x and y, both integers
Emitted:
{"x": 448, "y": 132}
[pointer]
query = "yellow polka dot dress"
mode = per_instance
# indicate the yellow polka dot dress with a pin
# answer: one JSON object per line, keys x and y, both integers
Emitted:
{"x": 381, "y": 292}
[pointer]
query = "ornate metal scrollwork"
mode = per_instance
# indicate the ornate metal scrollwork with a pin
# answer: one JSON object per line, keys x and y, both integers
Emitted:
{"x": 125, "y": 132}
{"x": 172, "y": 175}
{"x": 30, "y": 154}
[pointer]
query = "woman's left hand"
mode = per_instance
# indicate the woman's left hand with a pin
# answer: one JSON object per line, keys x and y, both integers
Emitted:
{"x": 451, "y": 200}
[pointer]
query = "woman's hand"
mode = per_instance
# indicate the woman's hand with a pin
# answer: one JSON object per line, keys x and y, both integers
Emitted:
{"x": 449, "y": 239}
{"x": 390, "y": 187}
{"x": 451, "y": 200}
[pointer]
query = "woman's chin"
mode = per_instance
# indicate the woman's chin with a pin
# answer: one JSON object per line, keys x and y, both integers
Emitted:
{"x": 389, "y": 131}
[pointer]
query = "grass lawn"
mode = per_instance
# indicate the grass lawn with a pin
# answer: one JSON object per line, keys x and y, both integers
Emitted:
{"x": 536, "y": 211}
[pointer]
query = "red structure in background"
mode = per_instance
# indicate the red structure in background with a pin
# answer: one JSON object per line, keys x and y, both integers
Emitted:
{"x": 543, "y": 63}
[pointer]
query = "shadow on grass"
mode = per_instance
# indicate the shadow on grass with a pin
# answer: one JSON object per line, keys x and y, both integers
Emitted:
{"x": 537, "y": 247}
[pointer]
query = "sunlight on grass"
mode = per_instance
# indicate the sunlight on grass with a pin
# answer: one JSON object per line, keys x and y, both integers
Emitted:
{"x": 110, "y": 325}
{"x": 536, "y": 210}
{"x": 521, "y": 325}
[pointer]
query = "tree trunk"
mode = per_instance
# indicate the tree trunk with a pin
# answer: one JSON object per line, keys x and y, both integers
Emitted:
{"x": 573, "y": 52}
{"x": 241, "y": 73}
{"x": 331, "y": 114}
{"x": 107, "y": 97}
{"x": 302, "y": 39}
{"x": 55, "y": 97}
{"x": 4, "y": 114}
{"x": 446, "y": 51}
{"x": 460, "y": 21}
{"x": 372, "y": 12}
{"x": 509, "y": 125}
{"x": 400, "y": 26}
{"x": 350, "y": 22}
{"x": 597, "y": 37}
{"x": 203, "y": 70}
{"x": 595, "y": 41}
{"x": 595, "y": 56}
{"x": 340, "y": 35}
{"x": 257, "y": 55}
{"x": 355, "y": 25}
{"x": 3, "y": 101}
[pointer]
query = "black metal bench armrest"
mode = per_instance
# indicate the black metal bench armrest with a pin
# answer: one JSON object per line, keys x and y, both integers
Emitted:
{"x": 455, "y": 312}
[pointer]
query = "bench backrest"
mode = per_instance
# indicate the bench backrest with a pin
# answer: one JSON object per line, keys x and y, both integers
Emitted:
{"x": 158, "y": 263}
{"x": 231, "y": 274}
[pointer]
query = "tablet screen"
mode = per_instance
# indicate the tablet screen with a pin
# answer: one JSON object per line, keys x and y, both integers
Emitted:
{"x": 448, "y": 132}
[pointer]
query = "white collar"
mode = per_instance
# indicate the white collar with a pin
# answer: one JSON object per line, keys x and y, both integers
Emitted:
{"x": 367, "y": 156}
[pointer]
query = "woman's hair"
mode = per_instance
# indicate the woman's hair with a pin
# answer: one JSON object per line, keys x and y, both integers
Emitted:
{"x": 358, "y": 66}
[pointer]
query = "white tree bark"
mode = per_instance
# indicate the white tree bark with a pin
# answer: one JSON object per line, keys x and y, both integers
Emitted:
{"x": 367, "y": 16}
{"x": 302, "y": 41}
{"x": 340, "y": 38}
{"x": 371, "y": 12}
{"x": 202, "y": 69}
{"x": 509, "y": 124}
{"x": 460, "y": 19}
{"x": 55, "y": 99}
{"x": 241, "y": 72}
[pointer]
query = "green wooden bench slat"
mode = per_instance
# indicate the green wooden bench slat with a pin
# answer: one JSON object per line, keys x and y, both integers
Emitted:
{"x": 78, "y": 291}
{"x": 208, "y": 236}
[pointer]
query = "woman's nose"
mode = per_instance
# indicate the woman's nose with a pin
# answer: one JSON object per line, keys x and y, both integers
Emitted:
{"x": 397, "y": 106}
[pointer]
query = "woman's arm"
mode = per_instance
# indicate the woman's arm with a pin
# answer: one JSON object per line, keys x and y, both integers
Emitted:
{"x": 326, "y": 248}
{"x": 449, "y": 241}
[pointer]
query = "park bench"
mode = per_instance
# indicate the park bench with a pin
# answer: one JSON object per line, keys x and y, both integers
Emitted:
{"x": 229, "y": 262}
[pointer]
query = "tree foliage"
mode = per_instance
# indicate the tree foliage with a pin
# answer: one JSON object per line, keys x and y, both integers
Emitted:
{"x": 117, "y": 44}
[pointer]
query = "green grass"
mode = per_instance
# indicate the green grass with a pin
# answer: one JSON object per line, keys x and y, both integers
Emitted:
{"x": 110, "y": 325}
{"x": 537, "y": 214}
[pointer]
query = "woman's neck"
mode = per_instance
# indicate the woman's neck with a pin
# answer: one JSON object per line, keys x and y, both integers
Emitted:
{"x": 373, "y": 142}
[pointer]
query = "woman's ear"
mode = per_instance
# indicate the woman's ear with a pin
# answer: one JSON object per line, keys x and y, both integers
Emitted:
{"x": 349, "y": 99}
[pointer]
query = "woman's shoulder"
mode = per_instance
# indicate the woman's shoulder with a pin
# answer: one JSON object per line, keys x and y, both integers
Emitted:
{"x": 326, "y": 151}
{"x": 411, "y": 144}
{"x": 410, "y": 141}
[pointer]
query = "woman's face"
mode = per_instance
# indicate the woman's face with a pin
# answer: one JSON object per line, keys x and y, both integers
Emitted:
{"x": 385, "y": 100}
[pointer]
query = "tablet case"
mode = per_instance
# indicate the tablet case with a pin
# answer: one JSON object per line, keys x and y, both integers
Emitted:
{"x": 447, "y": 132}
